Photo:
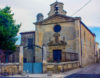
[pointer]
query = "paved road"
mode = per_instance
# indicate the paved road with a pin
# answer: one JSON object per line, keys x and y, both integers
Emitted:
{"x": 92, "y": 71}
{"x": 83, "y": 76}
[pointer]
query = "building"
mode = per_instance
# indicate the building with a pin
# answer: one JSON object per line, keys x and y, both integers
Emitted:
{"x": 59, "y": 43}
{"x": 28, "y": 41}
{"x": 97, "y": 56}
{"x": 67, "y": 42}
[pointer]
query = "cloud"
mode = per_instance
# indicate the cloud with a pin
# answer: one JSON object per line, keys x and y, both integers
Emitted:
{"x": 23, "y": 16}
{"x": 26, "y": 10}
{"x": 90, "y": 14}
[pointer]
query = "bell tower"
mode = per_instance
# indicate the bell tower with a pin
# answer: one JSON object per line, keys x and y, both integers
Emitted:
{"x": 56, "y": 8}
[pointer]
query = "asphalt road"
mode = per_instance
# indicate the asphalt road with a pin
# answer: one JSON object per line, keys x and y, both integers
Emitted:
{"x": 92, "y": 71}
{"x": 83, "y": 76}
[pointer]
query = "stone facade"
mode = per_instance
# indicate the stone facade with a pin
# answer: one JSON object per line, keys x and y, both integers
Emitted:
{"x": 9, "y": 68}
{"x": 45, "y": 32}
{"x": 97, "y": 55}
{"x": 74, "y": 39}
{"x": 28, "y": 41}
{"x": 88, "y": 45}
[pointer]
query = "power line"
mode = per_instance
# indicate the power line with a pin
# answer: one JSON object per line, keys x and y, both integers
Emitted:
{"x": 82, "y": 7}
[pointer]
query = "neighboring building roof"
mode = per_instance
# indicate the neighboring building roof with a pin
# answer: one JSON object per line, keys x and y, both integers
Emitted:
{"x": 27, "y": 32}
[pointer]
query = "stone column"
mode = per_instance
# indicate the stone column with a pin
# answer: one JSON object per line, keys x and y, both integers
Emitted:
{"x": 21, "y": 59}
{"x": 44, "y": 59}
{"x": 44, "y": 54}
{"x": 78, "y": 38}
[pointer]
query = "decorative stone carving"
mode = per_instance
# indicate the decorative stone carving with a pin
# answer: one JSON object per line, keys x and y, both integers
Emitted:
{"x": 57, "y": 41}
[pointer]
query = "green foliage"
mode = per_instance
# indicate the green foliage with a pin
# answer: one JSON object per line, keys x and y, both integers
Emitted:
{"x": 8, "y": 30}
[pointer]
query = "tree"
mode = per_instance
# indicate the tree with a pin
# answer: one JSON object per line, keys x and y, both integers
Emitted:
{"x": 8, "y": 30}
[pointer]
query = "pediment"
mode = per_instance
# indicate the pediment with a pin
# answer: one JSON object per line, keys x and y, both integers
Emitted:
{"x": 56, "y": 19}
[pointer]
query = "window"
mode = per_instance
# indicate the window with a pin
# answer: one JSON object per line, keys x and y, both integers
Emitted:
{"x": 25, "y": 60}
{"x": 84, "y": 36}
{"x": 30, "y": 43}
{"x": 57, "y": 28}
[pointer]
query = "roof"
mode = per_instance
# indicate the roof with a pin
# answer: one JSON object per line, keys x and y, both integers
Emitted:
{"x": 87, "y": 28}
{"x": 64, "y": 16}
{"x": 27, "y": 32}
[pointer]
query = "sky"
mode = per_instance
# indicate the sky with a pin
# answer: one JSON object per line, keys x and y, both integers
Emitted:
{"x": 25, "y": 12}
{"x": 96, "y": 30}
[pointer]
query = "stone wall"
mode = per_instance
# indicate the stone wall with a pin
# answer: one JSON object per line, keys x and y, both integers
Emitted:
{"x": 97, "y": 54}
{"x": 61, "y": 67}
{"x": 9, "y": 68}
{"x": 88, "y": 46}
